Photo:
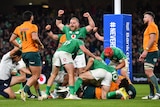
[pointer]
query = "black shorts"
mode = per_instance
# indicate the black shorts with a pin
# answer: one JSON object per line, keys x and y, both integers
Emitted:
{"x": 5, "y": 84}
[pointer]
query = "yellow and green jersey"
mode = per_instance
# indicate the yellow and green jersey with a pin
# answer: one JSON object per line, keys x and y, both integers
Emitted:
{"x": 151, "y": 29}
{"x": 24, "y": 32}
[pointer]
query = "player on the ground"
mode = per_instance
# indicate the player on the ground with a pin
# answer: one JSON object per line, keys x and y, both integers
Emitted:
{"x": 63, "y": 56}
{"x": 8, "y": 64}
{"x": 96, "y": 69}
{"x": 117, "y": 59}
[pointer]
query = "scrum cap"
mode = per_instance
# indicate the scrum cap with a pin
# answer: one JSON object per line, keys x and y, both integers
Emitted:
{"x": 108, "y": 51}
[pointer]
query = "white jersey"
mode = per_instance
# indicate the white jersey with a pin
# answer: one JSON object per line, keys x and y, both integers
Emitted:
{"x": 20, "y": 65}
{"x": 6, "y": 67}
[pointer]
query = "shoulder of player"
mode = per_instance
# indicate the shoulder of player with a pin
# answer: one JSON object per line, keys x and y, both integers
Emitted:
{"x": 6, "y": 56}
{"x": 152, "y": 25}
{"x": 34, "y": 25}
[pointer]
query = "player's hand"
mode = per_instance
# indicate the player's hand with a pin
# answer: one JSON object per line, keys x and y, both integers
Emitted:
{"x": 60, "y": 12}
{"x": 48, "y": 27}
{"x": 41, "y": 46}
{"x": 86, "y": 14}
{"x": 83, "y": 71}
{"x": 143, "y": 56}
{"x": 98, "y": 58}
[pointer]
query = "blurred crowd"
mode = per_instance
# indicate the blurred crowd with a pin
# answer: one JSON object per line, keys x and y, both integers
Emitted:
{"x": 45, "y": 16}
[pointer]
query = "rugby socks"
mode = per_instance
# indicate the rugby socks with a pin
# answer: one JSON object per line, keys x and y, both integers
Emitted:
{"x": 77, "y": 84}
{"x": 21, "y": 86}
{"x": 71, "y": 88}
{"x": 39, "y": 92}
{"x": 29, "y": 92}
{"x": 26, "y": 88}
{"x": 48, "y": 89}
{"x": 111, "y": 95}
{"x": 155, "y": 83}
{"x": 57, "y": 85}
{"x": 151, "y": 88}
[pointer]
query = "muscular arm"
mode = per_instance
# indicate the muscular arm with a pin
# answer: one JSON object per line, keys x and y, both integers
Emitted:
{"x": 150, "y": 43}
{"x": 59, "y": 23}
{"x": 15, "y": 49}
{"x": 53, "y": 36}
{"x": 99, "y": 37}
{"x": 86, "y": 51}
{"x": 90, "y": 21}
{"x": 151, "y": 40}
{"x": 13, "y": 40}
{"x": 37, "y": 40}
{"x": 50, "y": 33}
{"x": 89, "y": 64}
{"x": 121, "y": 65}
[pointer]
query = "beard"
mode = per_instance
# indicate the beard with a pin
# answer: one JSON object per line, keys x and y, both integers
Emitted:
{"x": 146, "y": 22}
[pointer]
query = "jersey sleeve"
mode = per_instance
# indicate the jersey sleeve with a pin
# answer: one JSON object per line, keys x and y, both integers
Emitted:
{"x": 122, "y": 55}
{"x": 65, "y": 29}
{"x": 80, "y": 42}
{"x": 6, "y": 56}
{"x": 34, "y": 28}
{"x": 20, "y": 65}
{"x": 152, "y": 29}
{"x": 102, "y": 55}
{"x": 83, "y": 32}
{"x": 119, "y": 53}
{"x": 16, "y": 30}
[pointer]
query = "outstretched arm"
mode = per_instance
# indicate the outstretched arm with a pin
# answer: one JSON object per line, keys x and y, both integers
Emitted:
{"x": 121, "y": 65}
{"x": 89, "y": 64}
{"x": 13, "y": 40}
{"x": 90, "y": 21}
{"x": 13, "y": 51}
{"x": 50, "y": 33}
{"x": 86, "y": 51}
{"x": 59, "y": 20}
{"x": 97, "y": 35}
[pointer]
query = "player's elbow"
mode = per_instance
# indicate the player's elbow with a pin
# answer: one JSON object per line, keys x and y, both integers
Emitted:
{"x": 11, "y": 41}
{"x": 35, "y": 37}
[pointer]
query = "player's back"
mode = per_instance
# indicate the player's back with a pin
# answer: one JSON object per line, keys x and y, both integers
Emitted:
{"x": 24, "y": 31}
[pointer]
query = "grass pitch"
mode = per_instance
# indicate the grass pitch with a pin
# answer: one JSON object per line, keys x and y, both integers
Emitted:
{"x": 142, "y": 90}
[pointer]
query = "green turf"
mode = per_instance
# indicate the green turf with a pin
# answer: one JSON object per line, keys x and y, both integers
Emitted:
{"x": 142, "y": 90}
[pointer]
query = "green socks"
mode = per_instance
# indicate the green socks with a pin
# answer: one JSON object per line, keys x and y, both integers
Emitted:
{"x": 48, "y": 89}
{"x": 39, "y": 92}
{"x": 111, "y": 95}
{"x": 71, "y": 88}
{"x": 155, "y": 83}
{"x": 26, "y": 88}
{"x": 77, "y": 84}
{"x": 151, "y": 88}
